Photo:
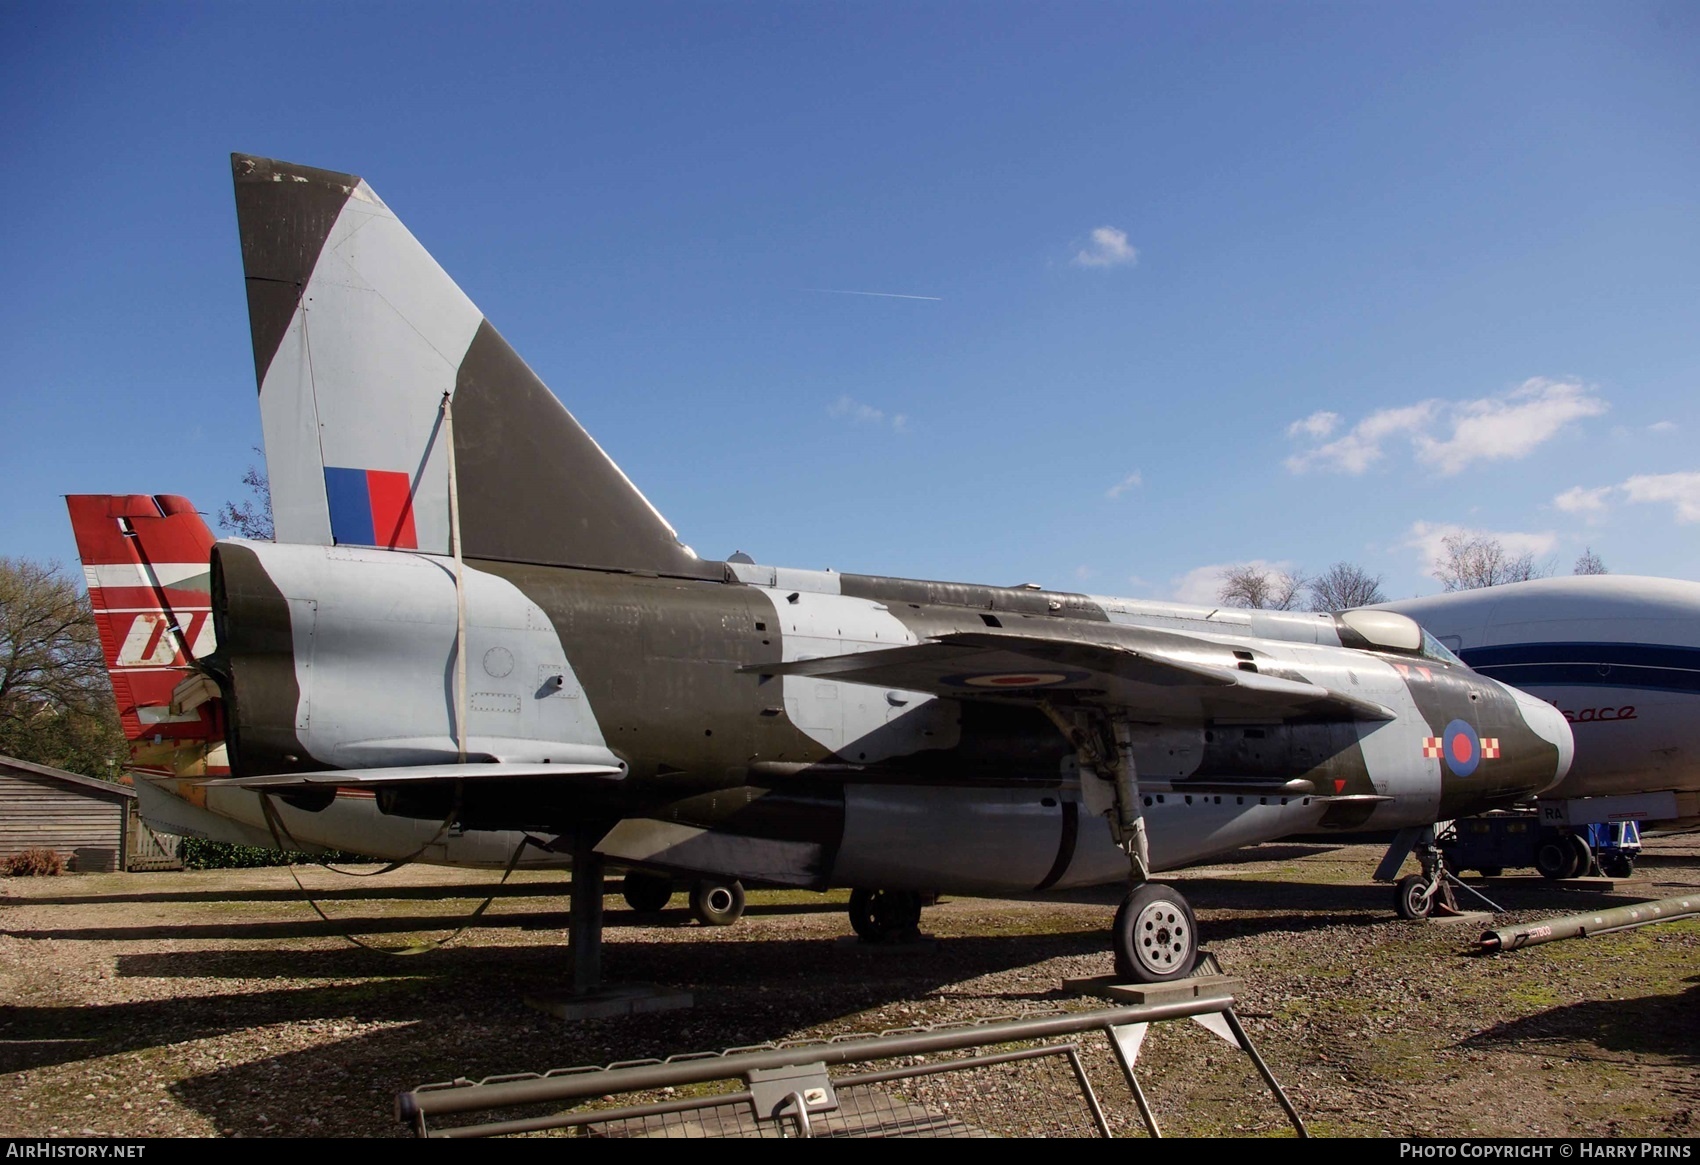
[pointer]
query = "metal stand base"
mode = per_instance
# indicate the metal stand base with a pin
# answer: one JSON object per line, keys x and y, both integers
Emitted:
{"x": 610, "y": 1002}
{"x": 590, "y": 998}
{"x": 1202, "y": 990}
{"x": 1112, "y": 987}
{"x": 1461, "y": 918}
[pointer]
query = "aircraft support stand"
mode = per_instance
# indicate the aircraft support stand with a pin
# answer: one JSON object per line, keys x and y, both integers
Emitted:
{"x": 589, "y": 998}
{"x": 584, "y": 923}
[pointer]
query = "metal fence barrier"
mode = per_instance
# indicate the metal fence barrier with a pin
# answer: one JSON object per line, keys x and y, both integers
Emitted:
{"x": 978, "y": 1079}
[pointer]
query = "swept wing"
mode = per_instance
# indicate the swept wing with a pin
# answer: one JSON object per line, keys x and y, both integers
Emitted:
{"x": 1159, "y": 687}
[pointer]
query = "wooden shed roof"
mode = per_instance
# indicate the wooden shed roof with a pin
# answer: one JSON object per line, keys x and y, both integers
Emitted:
{"x": 100, "y": 788}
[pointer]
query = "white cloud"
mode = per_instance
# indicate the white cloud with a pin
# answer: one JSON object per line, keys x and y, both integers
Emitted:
{"x": 1429, "y": 539}
{"x": 1132, "y": 481}
{"x": 1361, "y": 446}
{"x": 1577, "y": 500}
{"x": 1504, "y": 427}
{"x": 847, "y": 408}
{"x": 1318, "y": 425}
{"x": 1199, "y": 585}
{"x": 1202, "y": 585}
{"x": 1682, "y": 490}
{"x": 1511, "y": 426}
{"x": 1084, "y": 572}
{"x": 1662, "y": 427}
{"x": 1109, "y": 248}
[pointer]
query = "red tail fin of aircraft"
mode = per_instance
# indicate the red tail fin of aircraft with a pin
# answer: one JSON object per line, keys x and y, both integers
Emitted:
{"x": 145, "y": 559}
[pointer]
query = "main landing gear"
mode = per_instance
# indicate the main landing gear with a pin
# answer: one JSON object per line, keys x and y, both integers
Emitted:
{"x": 717, "y": 903}
{"x": 1154, "y": 937}
{"x": 714, "y": 902}
{"x": 886, "y": 916}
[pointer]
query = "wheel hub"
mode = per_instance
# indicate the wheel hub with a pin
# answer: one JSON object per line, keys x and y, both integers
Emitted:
{"x": 1160, "y": 937}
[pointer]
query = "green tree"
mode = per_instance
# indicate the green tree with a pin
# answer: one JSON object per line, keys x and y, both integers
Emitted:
{"x": 56, "y": 703}
{"x": 251, "y": 518}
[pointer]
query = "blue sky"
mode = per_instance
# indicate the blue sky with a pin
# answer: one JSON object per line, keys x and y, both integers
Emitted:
{"x": 1204, "y": 283}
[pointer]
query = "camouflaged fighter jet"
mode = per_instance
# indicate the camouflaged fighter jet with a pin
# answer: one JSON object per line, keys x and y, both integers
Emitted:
{"x": 473, "y": 614}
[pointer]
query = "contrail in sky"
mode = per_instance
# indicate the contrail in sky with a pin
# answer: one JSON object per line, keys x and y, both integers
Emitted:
{"x": 881, "y": 294}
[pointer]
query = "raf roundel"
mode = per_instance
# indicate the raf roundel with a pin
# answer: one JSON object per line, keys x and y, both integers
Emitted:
{"x": 1461, "y": 748}
{"x": 1016, "y": 680}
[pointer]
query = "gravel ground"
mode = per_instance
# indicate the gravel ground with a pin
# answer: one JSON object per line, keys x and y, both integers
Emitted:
{"x": 218, "y": 1004}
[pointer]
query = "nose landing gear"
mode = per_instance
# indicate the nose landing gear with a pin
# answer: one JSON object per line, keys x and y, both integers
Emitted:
{"x": 1430, "y": 892}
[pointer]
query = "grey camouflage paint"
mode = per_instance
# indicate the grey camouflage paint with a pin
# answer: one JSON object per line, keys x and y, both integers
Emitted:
{"x": 694, "y": 673}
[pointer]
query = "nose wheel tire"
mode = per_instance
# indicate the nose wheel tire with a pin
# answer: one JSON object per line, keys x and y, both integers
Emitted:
{"x": 717, "y": 903}
{"x": 885, "y": 916}
{"x": 1155, "y": 935}
{"x": 646, "y": 893}
{"x": 1413, "y": 897}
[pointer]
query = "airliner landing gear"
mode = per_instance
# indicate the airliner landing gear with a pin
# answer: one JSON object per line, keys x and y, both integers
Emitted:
{"x": 716, "y": 903}
{"x": 885, "y": 916}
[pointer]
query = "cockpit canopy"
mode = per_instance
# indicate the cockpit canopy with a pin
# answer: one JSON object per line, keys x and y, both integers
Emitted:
{"x": 1392, "y": 632}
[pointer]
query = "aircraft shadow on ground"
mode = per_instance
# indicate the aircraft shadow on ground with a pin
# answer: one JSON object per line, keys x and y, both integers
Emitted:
{"x": 315, "y": 927}
{"x": 748, "y": 990}
{"x": 1660, "y": 1025}
{"x": 377, "y": 890}
{"x": 1357, "y": 903}
{"x": 1664, "y": 861}
{"x": 746, "y": 993}
{"x": 371, "y": 890}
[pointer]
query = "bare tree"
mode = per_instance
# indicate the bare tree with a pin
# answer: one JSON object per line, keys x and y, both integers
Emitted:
{"x": 56, "y": 705}
{"x": 1473, "y": 562}
{"x": 1261, "y": 588}
{"x": 252, "y": 518}
{"x": 1590, "y": 563}
{"x": 1343, "y": 586}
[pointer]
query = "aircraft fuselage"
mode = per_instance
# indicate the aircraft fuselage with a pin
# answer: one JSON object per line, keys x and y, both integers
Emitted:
{"x": 344, "y": 658}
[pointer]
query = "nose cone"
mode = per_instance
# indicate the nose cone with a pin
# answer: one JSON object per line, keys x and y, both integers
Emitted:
{"x": 1550, "y": 725}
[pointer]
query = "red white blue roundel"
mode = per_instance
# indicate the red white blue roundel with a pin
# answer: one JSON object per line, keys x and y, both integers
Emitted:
{"x": 1461, "y": 748}
{"x": 1015, "y": 680}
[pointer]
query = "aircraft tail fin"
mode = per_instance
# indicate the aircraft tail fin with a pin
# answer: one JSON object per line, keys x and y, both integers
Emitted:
{"x": 358, "y": 335}
{"x": 145, "y": 560}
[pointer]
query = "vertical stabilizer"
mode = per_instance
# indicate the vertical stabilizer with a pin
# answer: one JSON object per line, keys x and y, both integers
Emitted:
{"x": 358, "y": 335}
{"x": 146, "y": 563}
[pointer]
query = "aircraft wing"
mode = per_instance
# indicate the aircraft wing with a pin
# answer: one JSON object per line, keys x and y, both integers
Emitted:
{"x": 1155, "y": 687}
{"x": 415, "y": 774}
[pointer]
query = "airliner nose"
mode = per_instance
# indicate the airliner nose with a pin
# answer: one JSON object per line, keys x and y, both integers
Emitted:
{"x": 1550, "y": 725}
